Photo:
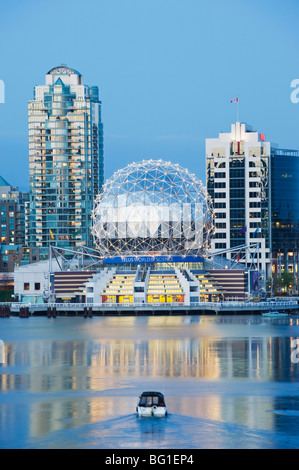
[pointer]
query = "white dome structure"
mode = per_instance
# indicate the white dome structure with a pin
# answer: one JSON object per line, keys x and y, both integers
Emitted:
{"x": 152, "y": 208}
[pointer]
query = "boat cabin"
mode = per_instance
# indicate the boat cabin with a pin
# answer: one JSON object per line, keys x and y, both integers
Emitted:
{"x": 149, "y": 399}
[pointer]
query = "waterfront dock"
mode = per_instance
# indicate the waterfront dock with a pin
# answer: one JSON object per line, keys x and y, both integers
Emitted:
{"x": 52, "y": 310}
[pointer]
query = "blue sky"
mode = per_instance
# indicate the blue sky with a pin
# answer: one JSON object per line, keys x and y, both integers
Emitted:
{"x": 166, "y": 70}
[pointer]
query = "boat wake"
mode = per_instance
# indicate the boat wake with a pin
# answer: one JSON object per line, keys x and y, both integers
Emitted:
{"x": 133, "y": 432}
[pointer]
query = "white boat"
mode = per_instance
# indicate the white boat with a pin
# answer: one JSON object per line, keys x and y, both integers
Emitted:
{"x": 151, "y": 404}
{"x": 275, "y": 314}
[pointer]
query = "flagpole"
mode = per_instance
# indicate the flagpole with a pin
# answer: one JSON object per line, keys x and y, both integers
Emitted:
{"x": 236, "y": 100}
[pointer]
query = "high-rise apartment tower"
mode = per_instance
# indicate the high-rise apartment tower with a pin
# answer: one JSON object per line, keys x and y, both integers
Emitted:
{"x": 12, "y": 202}
{"x": 65, "y": 159}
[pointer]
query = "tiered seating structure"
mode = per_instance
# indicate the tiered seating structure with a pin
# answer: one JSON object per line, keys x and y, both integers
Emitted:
{"x": 120, "y": 289}
{"x": 210, "y": 289}
{"x": 233, "y": 281}
{"x": 70, "y": 286}
{"x": 164, "y": 287}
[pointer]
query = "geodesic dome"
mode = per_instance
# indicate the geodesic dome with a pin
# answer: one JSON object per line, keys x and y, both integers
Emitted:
{"x": 152, "y": 207}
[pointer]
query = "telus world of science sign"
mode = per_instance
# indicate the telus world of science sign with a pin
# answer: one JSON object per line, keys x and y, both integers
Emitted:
{"x": 152, "y": 259}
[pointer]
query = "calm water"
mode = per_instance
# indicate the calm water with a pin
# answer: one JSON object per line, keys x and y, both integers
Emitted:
{"x": 229, "y": 382}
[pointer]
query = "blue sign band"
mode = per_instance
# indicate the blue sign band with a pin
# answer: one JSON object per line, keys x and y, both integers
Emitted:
{"x": 153, "y": 259}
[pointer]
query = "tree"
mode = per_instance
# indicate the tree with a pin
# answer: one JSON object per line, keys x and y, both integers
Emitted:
{"x": 287, "y": 281}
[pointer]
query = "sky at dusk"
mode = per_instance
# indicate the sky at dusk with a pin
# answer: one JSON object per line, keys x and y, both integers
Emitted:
{"x": 166, "y": 72}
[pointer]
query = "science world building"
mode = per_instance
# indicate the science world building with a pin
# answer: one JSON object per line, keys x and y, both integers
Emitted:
{"x": 153, "y": 223}
{"x": 153, "y": 208}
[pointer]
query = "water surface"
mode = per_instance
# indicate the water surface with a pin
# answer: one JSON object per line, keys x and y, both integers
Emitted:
{"x": 229, "y": 382}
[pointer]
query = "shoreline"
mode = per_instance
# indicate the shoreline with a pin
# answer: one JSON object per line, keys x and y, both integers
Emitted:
{"x": 89, "y": 310}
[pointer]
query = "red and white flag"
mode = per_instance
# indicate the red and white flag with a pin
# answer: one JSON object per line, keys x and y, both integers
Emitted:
{"x": 233, "y": 101}
{"x": 262, "y": 137}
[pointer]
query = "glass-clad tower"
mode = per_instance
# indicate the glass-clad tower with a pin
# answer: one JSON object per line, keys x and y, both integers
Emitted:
{"x": 66, "y": 168}
{"x": 285, "y": 211}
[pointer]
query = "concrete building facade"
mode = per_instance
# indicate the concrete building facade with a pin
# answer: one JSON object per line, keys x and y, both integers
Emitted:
{"x": 238, "y": 180}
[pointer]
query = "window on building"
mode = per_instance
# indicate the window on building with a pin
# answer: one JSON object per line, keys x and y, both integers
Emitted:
{"x": 220, "y": 235}
{"x": 26, "y": 286}
{"x": 37, "y": 286}
{"x": 237, "y": 214}
{"x": 220, "y": 245}
{"x": 237, "y": 203}
{"x": 219, "y": 195}
{"x": 220, "y": 165}
{"x": 255, "y": 235}
{"x": 237, "y": 183}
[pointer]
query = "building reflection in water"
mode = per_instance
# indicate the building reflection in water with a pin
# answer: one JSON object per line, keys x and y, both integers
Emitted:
{"x": 76, "y": 381}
